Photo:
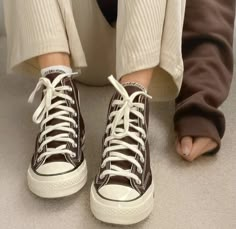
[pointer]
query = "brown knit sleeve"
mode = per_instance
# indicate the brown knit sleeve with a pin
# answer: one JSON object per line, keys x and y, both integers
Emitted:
{"x": 208, "y": 62}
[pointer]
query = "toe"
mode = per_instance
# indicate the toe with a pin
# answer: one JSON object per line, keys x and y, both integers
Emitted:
{"x": 201, "y": 145}
{"x": 186, "y": 145}
{"x": 54, "y": 168}
{"x": 118, "y": 192}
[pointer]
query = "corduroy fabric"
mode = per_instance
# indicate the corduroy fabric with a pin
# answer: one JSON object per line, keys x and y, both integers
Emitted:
{"x": 148, "y": 34}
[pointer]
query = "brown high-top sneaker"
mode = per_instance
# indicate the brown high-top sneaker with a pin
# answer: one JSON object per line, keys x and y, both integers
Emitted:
{"x": 58, "y": 167}
{"x": 123, "y": 190}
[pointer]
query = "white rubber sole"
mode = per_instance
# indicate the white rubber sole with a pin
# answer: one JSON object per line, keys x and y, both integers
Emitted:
{"x": 122, "y": 213}
{"x": 57, "y": 186}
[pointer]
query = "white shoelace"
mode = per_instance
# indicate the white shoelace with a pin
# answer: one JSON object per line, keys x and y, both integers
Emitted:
{"x": 114, "y": 143}
{"x": 41, "y": 116}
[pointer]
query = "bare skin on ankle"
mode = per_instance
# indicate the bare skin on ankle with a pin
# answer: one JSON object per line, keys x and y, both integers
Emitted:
{"x": 142, "y": 77}
{"x": 52, "y": 59}
{"x": 191, "y": 148}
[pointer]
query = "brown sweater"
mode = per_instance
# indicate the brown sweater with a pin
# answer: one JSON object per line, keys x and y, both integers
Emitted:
{"x": 208, "y": 62}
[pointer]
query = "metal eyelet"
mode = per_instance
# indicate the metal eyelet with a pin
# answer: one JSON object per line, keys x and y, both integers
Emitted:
{"x": 40, "y": 150}
{"x": 73, "y": 155}
{"x": 138, "y": 182}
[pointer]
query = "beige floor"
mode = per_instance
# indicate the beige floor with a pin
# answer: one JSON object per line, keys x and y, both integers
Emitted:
{"x": 201, "y": 195}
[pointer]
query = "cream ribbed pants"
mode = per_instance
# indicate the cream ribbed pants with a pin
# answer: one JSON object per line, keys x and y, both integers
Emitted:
{"x": 148, "y": 34}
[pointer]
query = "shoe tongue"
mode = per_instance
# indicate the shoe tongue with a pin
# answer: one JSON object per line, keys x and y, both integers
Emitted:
{"x": 52, "y": 74}
{"x": 133, "y": 87}
{"x": 130, "y": 88}
{"x": 55, "y": 144}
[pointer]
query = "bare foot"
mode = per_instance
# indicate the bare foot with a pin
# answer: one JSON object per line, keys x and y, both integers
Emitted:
{"x": 191, "y": 148}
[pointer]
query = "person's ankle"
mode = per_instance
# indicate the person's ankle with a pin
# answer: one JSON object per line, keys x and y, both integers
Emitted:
{"x": 53, "y": 59}
{"x": 142, "y": 77}
{"x": 55, "y": 69}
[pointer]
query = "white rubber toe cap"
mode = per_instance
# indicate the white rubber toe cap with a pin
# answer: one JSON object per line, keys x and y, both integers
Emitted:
{"x": 118, "y": 192}
{"x": 54, "y": 168}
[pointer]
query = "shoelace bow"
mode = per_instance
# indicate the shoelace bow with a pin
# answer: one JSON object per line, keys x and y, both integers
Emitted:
{"x": 41, "y": 116}
{"x": 114, "y": 143}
